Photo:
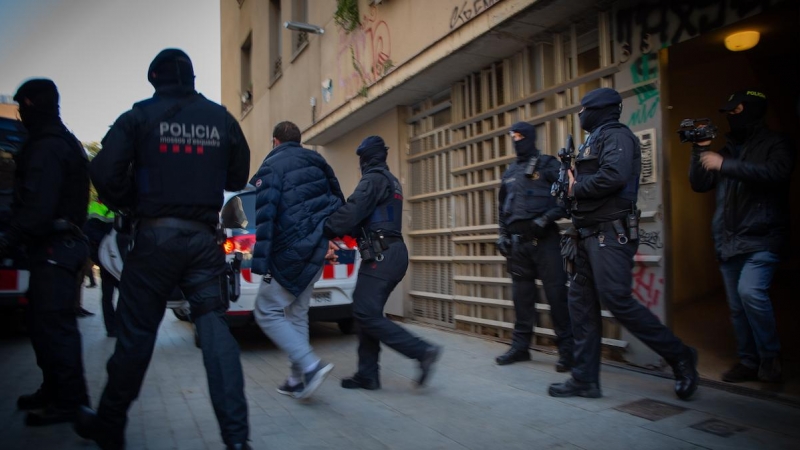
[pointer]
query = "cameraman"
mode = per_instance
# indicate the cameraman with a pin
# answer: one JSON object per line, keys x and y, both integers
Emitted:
{"x": 605, "y": 189}
{"x": 750, "y": 226}
{"x": 529, "y": 238}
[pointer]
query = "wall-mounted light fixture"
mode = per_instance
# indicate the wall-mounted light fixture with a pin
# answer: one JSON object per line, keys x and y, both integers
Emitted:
{"x": 301, "y": 26}
{"x": 743, "y": 40}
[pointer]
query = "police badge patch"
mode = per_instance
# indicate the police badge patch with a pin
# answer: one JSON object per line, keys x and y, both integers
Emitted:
{"x": 535, "y": 175}
{"x": 586, "y": 151}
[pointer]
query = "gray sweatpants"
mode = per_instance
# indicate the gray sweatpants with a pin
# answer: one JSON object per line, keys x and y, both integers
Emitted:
{"x": 284, "y": 319}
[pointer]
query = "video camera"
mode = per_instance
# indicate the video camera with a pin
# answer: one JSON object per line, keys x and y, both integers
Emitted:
{"x": 697, "y": 130}
{"x": 561, "y": 187}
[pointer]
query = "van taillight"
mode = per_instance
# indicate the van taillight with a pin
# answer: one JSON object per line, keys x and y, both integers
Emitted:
{"x": 243, "y": 243}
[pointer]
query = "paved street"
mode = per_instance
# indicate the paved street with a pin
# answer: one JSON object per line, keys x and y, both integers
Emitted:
{"x": 471, "y": 403}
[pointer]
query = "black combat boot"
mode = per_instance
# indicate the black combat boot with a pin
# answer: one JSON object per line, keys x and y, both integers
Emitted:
{"x": 686, "y": 377}
{"x": 575, "y": 388}
{"x": 513, "y": 355}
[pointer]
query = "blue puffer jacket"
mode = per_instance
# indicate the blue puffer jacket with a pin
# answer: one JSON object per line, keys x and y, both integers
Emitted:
{"x": 296, "y": 190}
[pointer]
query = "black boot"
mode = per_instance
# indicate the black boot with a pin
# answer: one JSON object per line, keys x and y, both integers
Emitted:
{"x": 37, "y": 400}
{"x": 686, "y": 376}
{"x": 50, "y": 415}
{"x": 242, "y": 446}
{"x": 431, "y": 355}
{"x": 575, "y": 388}
{"x": 87, "y": 427}
{"x": 769, "y": 370}
{"x": 513, "y": 355}
{"x": 356, "y": 382}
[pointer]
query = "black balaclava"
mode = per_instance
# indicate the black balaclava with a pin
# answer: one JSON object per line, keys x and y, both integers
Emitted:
{"x": 171, "y": 67}
{"x": 601, "y": 106}
{"x": 371, "y": 152}
{"x": 742, "y": 124}
{"x": 525, "y": 148}
{"x": 38, "y": 103}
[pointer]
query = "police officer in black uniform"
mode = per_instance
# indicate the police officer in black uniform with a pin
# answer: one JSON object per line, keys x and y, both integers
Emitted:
{"x": 604, "y": 192}
{"x": 530, "y": 239}
{"x": 167, "y": 161}
{"x": 374, "y": 214}
{"x": 52, "y": 194}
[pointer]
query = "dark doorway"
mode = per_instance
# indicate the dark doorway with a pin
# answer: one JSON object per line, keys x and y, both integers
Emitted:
{"x": 699, "y": 74}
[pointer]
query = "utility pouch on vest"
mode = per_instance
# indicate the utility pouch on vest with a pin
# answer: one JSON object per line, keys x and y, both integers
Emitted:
{"x": 365, "y": 248}
{"x": 632, "y": 221}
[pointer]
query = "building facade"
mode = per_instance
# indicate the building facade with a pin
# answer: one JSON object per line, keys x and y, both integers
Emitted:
{"x": 441, "y": 81}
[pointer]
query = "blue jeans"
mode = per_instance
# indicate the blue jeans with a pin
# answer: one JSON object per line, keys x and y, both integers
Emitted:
{"x": 747, "y": 280}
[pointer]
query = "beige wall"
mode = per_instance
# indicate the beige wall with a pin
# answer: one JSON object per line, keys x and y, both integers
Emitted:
{"x": 8, "y": 110}
{"x": 392, "y": 34}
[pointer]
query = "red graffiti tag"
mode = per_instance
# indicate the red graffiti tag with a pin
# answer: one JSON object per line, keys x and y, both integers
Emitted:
{"x": 647, "y": 287}
{"x": 364, "y": 55}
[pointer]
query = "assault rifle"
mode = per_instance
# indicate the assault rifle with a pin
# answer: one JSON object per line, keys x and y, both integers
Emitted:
{"x": 561, "y": 187}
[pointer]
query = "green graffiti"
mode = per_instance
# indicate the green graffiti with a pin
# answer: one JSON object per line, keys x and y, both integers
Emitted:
{"x": 645, "y": 68}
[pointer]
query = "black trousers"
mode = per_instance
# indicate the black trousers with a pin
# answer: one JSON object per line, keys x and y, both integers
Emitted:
{"x": 163, "y": 258}
{"x": 56, "y": 275}
{"x": 603, "y": 276}
{"x": 529, "y": 260}
{"x": 376, "y": 280}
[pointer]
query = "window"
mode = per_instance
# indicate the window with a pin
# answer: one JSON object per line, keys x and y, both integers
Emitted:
{"x": 299, "y": 14}
{"x": 275, "y": 28}
{"x": 246, "y": 87}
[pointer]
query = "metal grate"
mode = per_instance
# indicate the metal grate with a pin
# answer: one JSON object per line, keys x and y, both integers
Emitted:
{"x": 650, "y": 409}
{"x": 718, "y": 427}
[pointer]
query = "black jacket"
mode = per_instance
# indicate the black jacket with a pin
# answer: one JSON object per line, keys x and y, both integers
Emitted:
{"x": 374, "y": 189}
{"x": 752, "y": 211}
{"x": 52, "y": 182}
{"x": 607, "y": 168}
{"x": 172, "y": 165}
{"x": 524, "y": 199}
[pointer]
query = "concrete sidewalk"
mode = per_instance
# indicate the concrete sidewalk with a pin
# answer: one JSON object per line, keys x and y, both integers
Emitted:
{"x": 471, "y": 403}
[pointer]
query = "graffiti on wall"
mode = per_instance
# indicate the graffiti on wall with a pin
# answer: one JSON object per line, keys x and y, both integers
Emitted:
{"x": 650, "y": 239}
{"x": 646, "y": 27}
{"x": 674, "y": 21}
{"x": 469, "y": 9}
{"x": 648, "y": 286}
{"x": 364, "y": 55}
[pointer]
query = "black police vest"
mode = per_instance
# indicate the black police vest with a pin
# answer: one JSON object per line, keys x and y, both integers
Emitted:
{"x": 527, "y": 198}
{"x": 388, "y": 215}
{"x": 181, "y": 157}
{"x": 586, "y": 212}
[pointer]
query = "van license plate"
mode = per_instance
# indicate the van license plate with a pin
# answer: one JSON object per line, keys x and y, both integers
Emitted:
{"x": 321, "y": 298}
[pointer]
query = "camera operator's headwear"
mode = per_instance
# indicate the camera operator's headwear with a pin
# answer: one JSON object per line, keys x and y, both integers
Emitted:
{"x": 755, "y": 108}
{"x": 38, "y": 102}
{"x": 371, "y": 151}
{"x": 601, "y": 105}
{"x": 525, "y": 148}
{"x": 171, "y": 66}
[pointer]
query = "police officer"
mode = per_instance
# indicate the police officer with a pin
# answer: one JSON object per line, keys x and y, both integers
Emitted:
{"x": 52, "y": 192}
{"x": 604, "y": 193}
{"x": 374, "y": 214}
{"x": 167, "y": 161}
{"x": 529, "y": 238}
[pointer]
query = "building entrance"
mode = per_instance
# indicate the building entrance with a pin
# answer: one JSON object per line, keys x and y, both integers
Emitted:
{"x": 698, "y": 75}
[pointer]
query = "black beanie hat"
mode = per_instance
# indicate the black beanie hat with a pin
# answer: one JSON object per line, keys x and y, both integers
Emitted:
{"x": 171, "y": 66}
{"x": 41, "y": 92}
{"x": 370, "y": 145}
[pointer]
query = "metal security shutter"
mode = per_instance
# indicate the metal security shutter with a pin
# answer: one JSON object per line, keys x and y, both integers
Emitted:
{"x": 458, "y": 150}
